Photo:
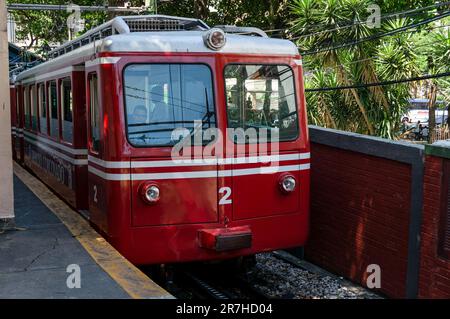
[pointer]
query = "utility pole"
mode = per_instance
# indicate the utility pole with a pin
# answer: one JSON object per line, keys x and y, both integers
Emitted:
{"x": 6, "y": 167}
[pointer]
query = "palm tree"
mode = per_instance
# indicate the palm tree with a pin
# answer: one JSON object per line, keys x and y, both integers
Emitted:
{"x": 326, "y": 23}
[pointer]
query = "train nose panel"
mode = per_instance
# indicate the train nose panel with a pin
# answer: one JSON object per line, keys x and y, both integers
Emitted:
{"x": 187, "y": 195}
{"x": 225, "y": 239}
{"x": 259, "y": 194}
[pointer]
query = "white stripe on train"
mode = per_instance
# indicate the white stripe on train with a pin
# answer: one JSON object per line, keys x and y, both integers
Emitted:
{"x": 173, "y": 163}
{"x": 196, "y": 175}
{"x": 200, "y": 162}
{"x": 57, "y": 145}
{"x": 81, "y": 162}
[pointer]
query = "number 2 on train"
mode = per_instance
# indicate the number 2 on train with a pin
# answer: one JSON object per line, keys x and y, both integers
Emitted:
{"x": 225, "y": 200}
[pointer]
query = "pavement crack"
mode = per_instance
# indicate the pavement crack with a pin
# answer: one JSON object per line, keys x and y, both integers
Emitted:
{"x": 35, "y": 259}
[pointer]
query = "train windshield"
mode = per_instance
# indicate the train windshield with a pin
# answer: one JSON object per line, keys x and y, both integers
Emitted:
{"x": 161, "y": 98}
{"x": 262, "y": 97}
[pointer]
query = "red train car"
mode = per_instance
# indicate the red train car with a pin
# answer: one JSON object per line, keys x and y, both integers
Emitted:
{"x": 178, "y": 141}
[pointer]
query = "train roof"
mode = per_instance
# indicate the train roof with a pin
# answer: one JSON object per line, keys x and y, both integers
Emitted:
{"x": 123, "y": 34}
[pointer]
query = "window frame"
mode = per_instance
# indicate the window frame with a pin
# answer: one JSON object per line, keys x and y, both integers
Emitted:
{"x": 26, "y": 107}
{"x": 61, "y": 111}
{"x": 33, "y": 102}
{"x": 58, "y": 130}
{"x": 294, "y": 79}
{"x": 213, "y": 88}
{"x": 100, "y": 113}
{"x": 39, "y": 108}
{"x": 17, "y": 123}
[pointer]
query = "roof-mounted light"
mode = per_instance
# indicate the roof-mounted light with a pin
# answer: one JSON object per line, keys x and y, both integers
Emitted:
{"x": 215, "y": 39}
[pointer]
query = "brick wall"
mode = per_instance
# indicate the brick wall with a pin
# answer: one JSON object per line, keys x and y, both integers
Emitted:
{"x": 360, "y": 210}
{"x": 366, "y": 206}
{"x": 434, "y": 280}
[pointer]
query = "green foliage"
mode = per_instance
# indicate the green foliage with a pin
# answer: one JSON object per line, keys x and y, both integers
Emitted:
{"x": 48, "y": 27}
{"x": 371, "y": 110}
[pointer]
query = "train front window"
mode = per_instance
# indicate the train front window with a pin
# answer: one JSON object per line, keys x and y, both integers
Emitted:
{"x": 262, "y": 97}
{"x": 161, "y": 98}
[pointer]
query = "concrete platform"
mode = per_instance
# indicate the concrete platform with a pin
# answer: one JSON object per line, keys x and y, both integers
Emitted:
{"x": 35, "y": 255}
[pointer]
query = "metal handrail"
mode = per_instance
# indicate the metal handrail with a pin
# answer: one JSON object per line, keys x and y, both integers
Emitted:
{"x": 121, "y": 25}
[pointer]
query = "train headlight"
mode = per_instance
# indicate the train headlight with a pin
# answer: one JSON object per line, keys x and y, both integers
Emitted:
{"x": 288, "y": 184}
{"x": 215, "y": 39}
{"x": 150, "y": 193}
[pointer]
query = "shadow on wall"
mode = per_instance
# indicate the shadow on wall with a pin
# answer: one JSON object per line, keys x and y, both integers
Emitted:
{"x": 360, "y": 211}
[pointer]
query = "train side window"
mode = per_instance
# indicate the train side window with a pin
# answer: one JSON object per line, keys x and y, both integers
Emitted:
{"x": 66, "y": 110}
{"x": 42, "y": 109}
{"x": 94, "y": 113}
{"x": 17, "y": 109}
{"x": 26, "y": 106}
{"x": 53, "y": 109}
{"x": 34, "y": 107}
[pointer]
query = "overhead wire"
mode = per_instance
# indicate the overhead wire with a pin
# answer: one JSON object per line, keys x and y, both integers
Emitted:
{"x": 383, "y": 17}
{"x": 384, "y": 83}
{"x": 377, "y": 36}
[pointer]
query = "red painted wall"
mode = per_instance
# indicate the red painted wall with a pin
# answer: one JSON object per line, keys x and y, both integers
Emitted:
{"x": 434, "y": 279}
{"x": 360, "y": 211}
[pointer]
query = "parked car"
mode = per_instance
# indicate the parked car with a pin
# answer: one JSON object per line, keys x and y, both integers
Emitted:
{"x": 418, "y": 111}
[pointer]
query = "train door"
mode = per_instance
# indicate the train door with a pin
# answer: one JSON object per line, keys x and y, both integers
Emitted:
{"x": 169, "y": 107}
{"x": 79, "y": 136}
{"x": 263, "y": 132}
{"x": 94, "y": 115}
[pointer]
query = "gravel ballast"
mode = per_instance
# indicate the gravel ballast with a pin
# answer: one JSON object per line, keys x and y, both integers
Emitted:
{"x": 280, "y": 279}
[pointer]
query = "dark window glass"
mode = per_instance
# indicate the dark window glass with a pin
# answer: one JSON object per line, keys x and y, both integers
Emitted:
{"x": 94, "y": 112}
{"x": 67, "y": 110}
{"x": 17, "y": 109}
{"x": 163, "y": 97}
{"x": 34, "y": 108}
{"x": 42, "y": 109}
{"x": 262, "y": 97}
{"x": 26, "y": 106}
{"x": 53, "y": 109}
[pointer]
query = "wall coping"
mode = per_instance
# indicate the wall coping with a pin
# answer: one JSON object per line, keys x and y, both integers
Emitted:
{"x": 439, "y": 149}
{"x": 393, "y": 150}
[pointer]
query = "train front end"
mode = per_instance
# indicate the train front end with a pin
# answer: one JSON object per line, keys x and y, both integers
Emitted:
{"x": 202, "y": 148}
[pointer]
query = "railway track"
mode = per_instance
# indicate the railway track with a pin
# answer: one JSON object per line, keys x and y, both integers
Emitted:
{"x": 222, "y": 287}
{"x": 206, "y": 281}
{"x": 277, "y": 275}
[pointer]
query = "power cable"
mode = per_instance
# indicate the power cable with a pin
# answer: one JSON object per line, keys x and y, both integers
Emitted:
{"x": 378, "y": 35}
{"x": 385, "y": 83}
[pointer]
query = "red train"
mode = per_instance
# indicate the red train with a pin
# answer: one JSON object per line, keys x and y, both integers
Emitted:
{"x": 178, "y": 141}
